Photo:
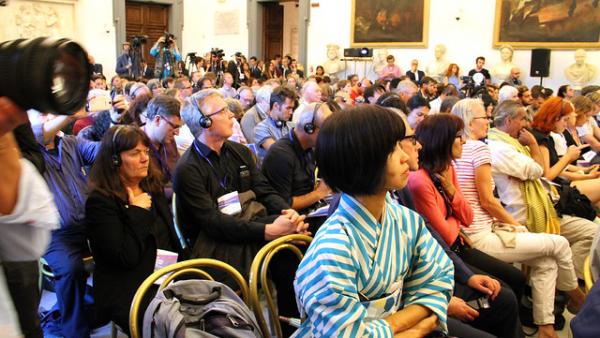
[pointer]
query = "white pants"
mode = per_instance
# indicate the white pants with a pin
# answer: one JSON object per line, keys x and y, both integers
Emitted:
{"x": 580, "y": 233}
{"x": 549, "y": 258}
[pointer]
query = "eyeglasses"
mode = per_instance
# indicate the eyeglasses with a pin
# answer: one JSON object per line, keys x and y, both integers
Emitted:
{"x": 412, "y": 138}
{"x": 173, "y": 125}
{"x": 224, "y": 109}
{"x": 461, "y": 136}
{"x": 489, "y": 118}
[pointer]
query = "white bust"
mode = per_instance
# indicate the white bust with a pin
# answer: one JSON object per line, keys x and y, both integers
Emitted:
{"x": 501, "y": 71}
{"x": 580, "y": 73}
{"x": 379, "y": 61}
{"x": 438, "y": 67}
{"x": 333, "y": 64}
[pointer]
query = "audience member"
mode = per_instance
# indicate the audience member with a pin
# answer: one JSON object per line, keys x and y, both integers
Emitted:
{"x": 565, "y": 92}
{"x": 414, "y": 74}
{"x": 67, "y": 159}
{"x": 517, "y": 166}
{"x": 127, "y": 219}
{"x": 257, "y": 113}
{"x": 452, "y": 75}
{"x": 445, "y": 91}
{"x": 406, "y": 89}
{"x": 235, "y": 107}
{"x": 246, "y": 97}
{"x": 479, "y": 63}
{"x": 268, "y": 131}
{"x": 495, "y": 232}
{"x": 311, "y": 93}
{"x": 418, "y": 108}
{"x": 428, "y": 89}
{"x": 508, "y": 93}
{"x": 438, "y": 198}
{"x": 289, "y": 165}
{"x": 364, "y": 172}
{"x": 390, "y": 70}
{"x": 227, "y": 89}
{"x": 215, "y": 167}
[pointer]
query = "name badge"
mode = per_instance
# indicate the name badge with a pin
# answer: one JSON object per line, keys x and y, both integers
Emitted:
{"x": 164, "y": 258}
{"x": 229, "y": 204}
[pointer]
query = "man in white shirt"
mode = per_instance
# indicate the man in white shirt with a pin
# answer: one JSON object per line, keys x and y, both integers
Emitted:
{"x": 510, "y": 168}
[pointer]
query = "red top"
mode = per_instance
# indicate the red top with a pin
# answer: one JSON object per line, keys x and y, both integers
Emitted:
{"x": 430, "y": 204}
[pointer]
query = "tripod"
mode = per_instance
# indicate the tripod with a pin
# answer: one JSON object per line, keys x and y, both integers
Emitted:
{"x": 136, "y": 61}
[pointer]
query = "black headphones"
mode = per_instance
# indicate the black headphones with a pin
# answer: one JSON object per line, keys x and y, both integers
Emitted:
{"x": 116, "y": 159}
{"x": 309, "y": 128}
{"x": 205, "y": 121}
{"x": 279, "y": 123}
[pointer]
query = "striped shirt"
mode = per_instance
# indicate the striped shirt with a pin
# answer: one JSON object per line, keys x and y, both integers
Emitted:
{"x": 474, "y": 155}
{"x": 358, "y": 271}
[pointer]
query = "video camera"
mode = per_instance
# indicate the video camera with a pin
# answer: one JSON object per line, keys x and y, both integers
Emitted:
{"x": 218, "y": 52}
{"x": 138, "y": 40}
{"x": 46, "y": 74}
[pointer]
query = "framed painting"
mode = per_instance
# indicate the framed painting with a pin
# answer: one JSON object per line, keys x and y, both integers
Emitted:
{"x": 390, "y": 23}
{"x": 560, "y": 24}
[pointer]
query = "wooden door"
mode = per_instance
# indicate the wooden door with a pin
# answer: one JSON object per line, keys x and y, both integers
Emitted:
{"x": 272, "y": 30}
{"x": 146, "y": 19}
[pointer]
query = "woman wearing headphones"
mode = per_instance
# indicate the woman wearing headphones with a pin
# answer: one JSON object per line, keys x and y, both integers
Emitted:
{"x": 127, "y": 220}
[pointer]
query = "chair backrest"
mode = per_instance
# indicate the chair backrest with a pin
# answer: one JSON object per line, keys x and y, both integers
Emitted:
{"x": 587, "y": 274}
{"x": 259, "y": 279}
{"x": 182, "y": 241}
{"x": 173, "y": 271}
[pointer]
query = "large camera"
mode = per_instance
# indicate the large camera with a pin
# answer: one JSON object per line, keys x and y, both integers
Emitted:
{"x": 46, "y": 74}
{"x": 138, "y": 40}
{"x": 169, "y": 38}
{"x": 218, "y": 52}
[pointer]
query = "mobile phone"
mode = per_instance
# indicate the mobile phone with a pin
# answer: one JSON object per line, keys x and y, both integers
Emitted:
{"x": 584, "y": 146}
{"x": 479, "y": 303}
{"x": 99, "y": 103}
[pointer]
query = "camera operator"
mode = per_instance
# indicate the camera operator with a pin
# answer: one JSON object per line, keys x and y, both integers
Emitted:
{"x": 235, "y": 68}
{"x": 124, "y": 61}
{"x": 166, "y": 54}
{"x": 27, "y": 214}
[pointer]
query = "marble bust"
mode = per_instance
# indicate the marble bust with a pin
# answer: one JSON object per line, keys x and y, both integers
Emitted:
{"x": 379, "y": 61}
{"x": 438, "y": 67}
{"x": 501, "y": 71}
{"x": 580, "y": 73}
{"x": 333, "y": 64}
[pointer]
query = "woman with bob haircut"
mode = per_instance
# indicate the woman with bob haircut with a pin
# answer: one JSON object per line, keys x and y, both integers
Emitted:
{"x": 127, "y": 220}
{"x": 495, "y": 232}
{"x": 373, "y": 268}
{"x": 437, "y": 195}
{"x": 552, "y": 117}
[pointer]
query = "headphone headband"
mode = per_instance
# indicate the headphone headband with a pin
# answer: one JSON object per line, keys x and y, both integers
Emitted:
{"x": 309, "y": 128}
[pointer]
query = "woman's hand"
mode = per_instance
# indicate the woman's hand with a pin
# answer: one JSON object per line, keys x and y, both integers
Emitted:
{"x": 421, "y": 329}
{"x": 445, "y": 178}
{"x": 142, "y": 200}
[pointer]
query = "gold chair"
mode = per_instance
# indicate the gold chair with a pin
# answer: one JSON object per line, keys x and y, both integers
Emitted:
{"x": 176, "y": 270}
{"x": 259, "y": 278}
{"x": 587, "y": 274}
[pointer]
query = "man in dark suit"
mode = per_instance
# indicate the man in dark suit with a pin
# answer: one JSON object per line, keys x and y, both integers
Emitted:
{"x": 255, "y": 71}
{"x": 147, "y": 71}
{"x": 414, "y": 74}
{"x": 235, "y": 68}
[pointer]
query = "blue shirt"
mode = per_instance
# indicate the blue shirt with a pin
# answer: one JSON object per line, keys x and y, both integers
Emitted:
{"x": 167, "y": 67}
{"x": 358, "y": 271}
{"x": 267, "y": 129}
{"x": 66, "y": 175}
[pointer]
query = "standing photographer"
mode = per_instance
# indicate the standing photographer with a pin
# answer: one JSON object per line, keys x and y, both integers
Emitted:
{"x": 166, "y": 54}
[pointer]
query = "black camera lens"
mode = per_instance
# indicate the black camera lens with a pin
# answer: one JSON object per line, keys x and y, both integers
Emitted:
{"x": 46, "y": 74}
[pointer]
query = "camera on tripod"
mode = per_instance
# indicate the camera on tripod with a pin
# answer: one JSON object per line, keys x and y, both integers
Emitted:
{"x": 138, "y": 40}
{"x": 218, "y": 52}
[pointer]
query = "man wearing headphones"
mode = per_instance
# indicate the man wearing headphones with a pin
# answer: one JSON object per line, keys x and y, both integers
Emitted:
{"x": 267, "y": 132}
{"x": 227, "y": 209}
{"x": 67, "y": 159}
{"x": 290, "y": 165}
{"x": 256, "y": 113}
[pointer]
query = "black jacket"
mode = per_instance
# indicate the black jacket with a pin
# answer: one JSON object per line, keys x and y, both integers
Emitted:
{"x": 411, "y": 76}
{"x": 124, "y": 250}
{"x": 198, "y": 182}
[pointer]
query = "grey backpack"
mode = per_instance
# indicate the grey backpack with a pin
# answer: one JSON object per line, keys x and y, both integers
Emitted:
{"x": 198, "y": 308}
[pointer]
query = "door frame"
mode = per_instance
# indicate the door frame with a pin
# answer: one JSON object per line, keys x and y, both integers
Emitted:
{"x": 175, "y": 20}
{"x": 255, "y": 34}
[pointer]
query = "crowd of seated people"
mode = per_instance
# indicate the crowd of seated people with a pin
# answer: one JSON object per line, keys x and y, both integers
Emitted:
{"x": 441, "y": 190}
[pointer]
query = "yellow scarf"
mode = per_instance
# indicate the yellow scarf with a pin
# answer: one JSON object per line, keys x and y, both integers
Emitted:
{"x": 541, "y": 216}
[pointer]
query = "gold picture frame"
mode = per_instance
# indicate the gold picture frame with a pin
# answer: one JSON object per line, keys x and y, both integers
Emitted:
{"x": 565, "y": 24}
{"x": 389, "y": 23}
